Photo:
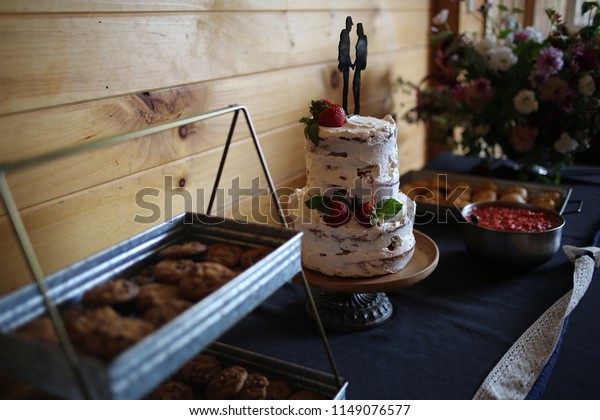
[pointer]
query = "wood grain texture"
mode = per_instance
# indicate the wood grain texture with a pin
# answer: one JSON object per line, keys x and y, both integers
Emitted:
{"x": 94, "y": 6}
{"x": 73, "y": 227}
{"x": 471, "y": 22}
{"x": 41, "y": 131}
{"x": 70, "y": 228}
{"x": 60, "y": 178}
{"x": 54, "y": 60}
{"x": 73, "y": 72}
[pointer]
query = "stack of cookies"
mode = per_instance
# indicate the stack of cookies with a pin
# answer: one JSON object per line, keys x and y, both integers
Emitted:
{"x": 204, "y": 377}
{"x": 114, "y": 315}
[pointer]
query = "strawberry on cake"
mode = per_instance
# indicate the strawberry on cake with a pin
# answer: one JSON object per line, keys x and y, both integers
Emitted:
{"x": 355, "y": 220}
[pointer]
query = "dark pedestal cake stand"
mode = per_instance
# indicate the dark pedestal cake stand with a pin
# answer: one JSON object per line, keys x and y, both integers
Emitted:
{"x": 353, "y": 304}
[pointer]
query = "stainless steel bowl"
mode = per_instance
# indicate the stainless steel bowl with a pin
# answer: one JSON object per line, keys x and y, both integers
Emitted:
{"x": 511, "y": 249}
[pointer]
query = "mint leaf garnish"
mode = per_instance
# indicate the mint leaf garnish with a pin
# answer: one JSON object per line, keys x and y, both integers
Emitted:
{"x": 315, "y": 203}
{"x": 311, "y": 131}
{"x": 323, "y": 203}
{"x": 388, "y": 208}
{"x": 385, "y": 209}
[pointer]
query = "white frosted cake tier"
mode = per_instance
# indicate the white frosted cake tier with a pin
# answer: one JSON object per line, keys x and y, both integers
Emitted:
{"x": 360, "y": 157}
{"x": 352, "y": 250}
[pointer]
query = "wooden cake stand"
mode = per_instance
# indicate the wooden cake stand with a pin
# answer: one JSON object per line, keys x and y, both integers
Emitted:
{"x": 352, "y": 304}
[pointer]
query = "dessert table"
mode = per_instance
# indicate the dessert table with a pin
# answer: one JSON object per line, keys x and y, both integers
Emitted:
{"x": 448, "y": 331}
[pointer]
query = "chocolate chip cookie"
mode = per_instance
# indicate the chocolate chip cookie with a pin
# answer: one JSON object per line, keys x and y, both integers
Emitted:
{"x": 227, "y": 383}
{"x": 172, "y": 390}
{"x": 253, "y": 255}
{"x": 154, "y": 293}
{"x": 103, "y": 333}
{"x": 164, "y": 311}
{"x": 39, "y": 329}
{"x": 205, "y": 279}
{"x": 190, "y": 249}
{"x": 278, "y": 390}
{"x": 228, "y": 255}
{"x": 307, "y": 395}
{"x": 146, "y": 276}
{"x": 112, "y": 293}
{"x": 172, "y": 271}
{"x": 199, "y": 371}
{"x": 255, "y": 388}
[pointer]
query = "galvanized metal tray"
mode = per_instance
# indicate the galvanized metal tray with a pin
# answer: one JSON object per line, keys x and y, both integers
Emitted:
{"x": 137, "y": 370}
{"x": 445, "y": 212}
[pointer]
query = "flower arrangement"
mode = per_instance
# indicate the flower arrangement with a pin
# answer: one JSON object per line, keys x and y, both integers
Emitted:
{"x": 515, "y": 93}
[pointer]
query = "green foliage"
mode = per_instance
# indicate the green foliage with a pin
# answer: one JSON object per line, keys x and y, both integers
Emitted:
{"x": 383, "y": 210}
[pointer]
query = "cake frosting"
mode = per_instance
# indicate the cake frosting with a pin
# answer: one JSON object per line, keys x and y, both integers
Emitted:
{"x": 363, "y": 151}
{"x": 358, "y": 161}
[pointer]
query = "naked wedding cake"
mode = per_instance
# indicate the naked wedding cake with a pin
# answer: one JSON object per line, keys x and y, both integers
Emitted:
{"x": 355, "y": 220}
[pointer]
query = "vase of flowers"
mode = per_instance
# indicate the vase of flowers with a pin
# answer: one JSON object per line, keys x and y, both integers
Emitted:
{"x": 514, "y": 93}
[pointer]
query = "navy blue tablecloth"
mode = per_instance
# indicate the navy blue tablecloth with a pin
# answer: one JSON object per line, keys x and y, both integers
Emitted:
{"x": 448, "y": 331}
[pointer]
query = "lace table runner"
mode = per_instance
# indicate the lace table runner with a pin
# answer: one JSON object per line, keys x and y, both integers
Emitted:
{"x": 522, "y": 371}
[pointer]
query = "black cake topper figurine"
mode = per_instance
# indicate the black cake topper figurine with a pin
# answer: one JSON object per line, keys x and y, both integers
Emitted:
{"x": 344, "y": 60}
{"x": 360, "y": 63}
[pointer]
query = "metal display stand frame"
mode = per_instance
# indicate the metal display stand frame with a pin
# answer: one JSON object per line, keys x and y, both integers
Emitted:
{"x": 33, "y": 262}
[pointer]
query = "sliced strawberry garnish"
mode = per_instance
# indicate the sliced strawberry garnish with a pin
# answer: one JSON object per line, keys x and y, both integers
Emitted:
{"x": 338, "y": 214}
{"x": 365, "y": 215}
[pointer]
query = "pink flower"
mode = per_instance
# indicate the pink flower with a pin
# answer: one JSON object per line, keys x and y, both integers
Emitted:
{"x": 537, "y": 79}
{"x": 559, "y": 18}
{"x": 460, "y": 93}
{"x": 586, "y": 57}
{"x": 482, "y": 87}
{"x": 550, "y": 61}
{"x": 479, "y": 91}
{"x": 568, "y": 101}
{"x": 522, "y": 36}
{"x": 484, "y": 9}
{"x": 523, "y": 138}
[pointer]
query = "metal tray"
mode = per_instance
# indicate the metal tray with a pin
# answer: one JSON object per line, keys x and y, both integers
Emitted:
{"x": 299, "y": 377}
{"x": 444, "y": 212}
{"x": 140, "y": 368}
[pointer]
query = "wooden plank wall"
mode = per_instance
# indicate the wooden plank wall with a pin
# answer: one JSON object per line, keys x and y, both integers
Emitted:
{"x": 72, "y": 72}
{"x": 471, "y": 22}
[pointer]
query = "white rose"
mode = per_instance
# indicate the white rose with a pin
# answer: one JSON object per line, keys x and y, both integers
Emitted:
{"x": 502, "y": 58}
{"x": 484, "y": 47}
{"x": 508, "y": 42}
{"x": 565, "y": 144}
{"x": 587, "y": 86}
{"x": 525, "y": 102}
{"x": 441, "y": 17}
{"x": 510, "y": 22}
{"x": 536, "y": 35}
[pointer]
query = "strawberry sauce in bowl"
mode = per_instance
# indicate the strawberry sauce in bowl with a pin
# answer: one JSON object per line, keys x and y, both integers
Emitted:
{"x": 508, "y": 234}
{"x": 513, "y": 219}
